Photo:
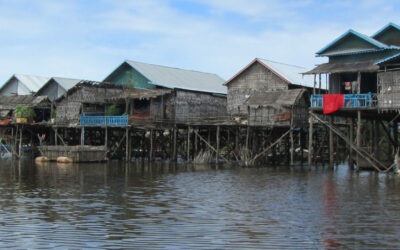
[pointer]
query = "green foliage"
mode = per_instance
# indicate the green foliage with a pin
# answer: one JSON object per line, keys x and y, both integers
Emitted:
{"x": 112, "y": 110}
{"x": 24, "y": 112}
{"x": 54, "y": 113}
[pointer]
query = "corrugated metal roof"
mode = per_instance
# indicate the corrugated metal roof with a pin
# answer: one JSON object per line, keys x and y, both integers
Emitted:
{"x": 388, "y": 58}
{"x": 33, "y": 83}
{"x": 344, "y": 67}
{"x": 66, "y": 83}
{"x": 270, "y": 98}
{"x": 291, "y": 73}
{"x": 180, "y": 78}
{"x": 366, "y": 38}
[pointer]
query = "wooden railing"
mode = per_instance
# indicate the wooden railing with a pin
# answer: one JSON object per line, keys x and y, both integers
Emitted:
{"x": 104, "y": 120}
{"x": 350, "y": 101}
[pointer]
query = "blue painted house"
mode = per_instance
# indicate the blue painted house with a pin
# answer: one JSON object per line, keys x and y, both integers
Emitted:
{"x": 355, "y": 65}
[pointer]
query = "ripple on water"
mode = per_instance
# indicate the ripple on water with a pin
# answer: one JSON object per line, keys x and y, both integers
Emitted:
{"x": 178, "y": 206}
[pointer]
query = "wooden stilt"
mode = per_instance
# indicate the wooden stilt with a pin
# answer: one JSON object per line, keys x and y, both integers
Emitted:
{"x": 358, "y": 122}
{"x": 196, "y": 146}
{"x": 247, "y": 137}
{"x": 82, "y": 136}
{"x": 301, "y": 143}
{"x": 188, "y": 144}
{"x": 151, "y": 146}
{"x": 20, "y": 142}
{"x": 56, "y": 136}
{"x": 127, "y": 145}
{"x": 174, "y": 147}
{"x": 237, "y": 134}
{"x": 351, "y": 138}
{"x": 106, "y": 137}
{"x": 376, "y": 136}
{"x": 218, "y": 144}
{"x": 331, "y": 149}
{"x": 310, "y": 140}
{"x": 291, "y": 143}
{"x": 209, "y": 145}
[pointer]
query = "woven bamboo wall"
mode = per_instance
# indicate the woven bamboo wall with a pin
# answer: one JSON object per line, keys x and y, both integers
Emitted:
{"x": 389, "y": 90}
{"x": 256, "y": 78}
{"x": 195, "y": 106}
{"x": 69, "y": 107}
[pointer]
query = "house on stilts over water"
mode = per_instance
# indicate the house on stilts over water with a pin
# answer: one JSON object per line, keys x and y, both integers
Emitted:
{"x": 269, "y": 99}
{"x": 364, "y": 90}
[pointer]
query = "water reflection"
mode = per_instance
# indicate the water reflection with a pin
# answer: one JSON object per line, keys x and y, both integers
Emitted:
{"x": 135, "y": 205}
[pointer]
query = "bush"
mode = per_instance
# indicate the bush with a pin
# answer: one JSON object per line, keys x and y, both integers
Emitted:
{"x": 24, "y": 112}
{"x": 112, "y": 110}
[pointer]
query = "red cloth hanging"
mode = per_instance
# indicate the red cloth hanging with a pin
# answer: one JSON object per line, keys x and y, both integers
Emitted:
{"x": 332, "y": 102}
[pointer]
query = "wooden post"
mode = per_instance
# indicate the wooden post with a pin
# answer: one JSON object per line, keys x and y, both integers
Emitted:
{"x": 310, "y": 141}
{"x": 319, "y": 90}
{"x": 291, "y": 142}
{"x": 247, "y": 137}
{"x": 82, "y": 136}
{"x": 331, "y": 149}
{"x": 106, "y": 137}
{"x": 151, "y": 145}
{"x": 237, "y": 139}
{"x": 376, "y": 138}
{"x": 196, "y": 142}
{"x": 301, "y": 143}
{"x": 358, "y": 121}
{"x": 218, "y": 142}
{"x": 188, "y": 144}
{"x": 56, "y": 136}
{"x": 315, "y": 83}
{"x": 174, "y": 147}
{"x": 351, "y": 138}
{"x": 127, "y": 145}
{"x": 20, "y": 142}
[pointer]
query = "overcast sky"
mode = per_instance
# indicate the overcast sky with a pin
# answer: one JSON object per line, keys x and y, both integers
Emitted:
{"x": 88, "y": 39}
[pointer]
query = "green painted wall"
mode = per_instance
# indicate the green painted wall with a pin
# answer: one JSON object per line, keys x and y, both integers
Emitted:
{"x": 390, "y": 36}
{"x": 350, "y": 42}
{"x": 376, "y": 56}
{"x": 126, "y": 75}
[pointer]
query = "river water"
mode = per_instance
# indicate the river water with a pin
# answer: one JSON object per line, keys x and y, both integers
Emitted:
{"x": 181, "y": 206}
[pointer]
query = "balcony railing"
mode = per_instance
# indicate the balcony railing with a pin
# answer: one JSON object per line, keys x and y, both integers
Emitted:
{"x": 350, "y": 101}
{"x": 104, "y": 120}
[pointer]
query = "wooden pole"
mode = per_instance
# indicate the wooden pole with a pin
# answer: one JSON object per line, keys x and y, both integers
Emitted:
{"x": 106, "y": 137}
{"x": 20, "y": 142}
{"x": 358, "y": 121}
{"x": 151, "y": 146}
{"x": 315, "y": 83}
{"x": 56, "y": 136}
{"x": 291, "y": 142}
{"x": 310, "y": 140}
{"x": 247, "y": 137}
{"x": 209, "y": 145}
{"x": 331, "y": 149}
{"x": 218, "y": 144}
{"x": 319, "y": 89}
{"x": 127, "y": 145}
{"x": 174, "y": 147}
{"x": 196, "y": 142}
{"x": 237, "y": 139}
{"x": 188, "y": 144}
{"x": 351, "y": 138}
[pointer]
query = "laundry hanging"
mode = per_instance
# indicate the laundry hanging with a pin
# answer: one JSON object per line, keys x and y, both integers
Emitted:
{"x": 332, "y": 102}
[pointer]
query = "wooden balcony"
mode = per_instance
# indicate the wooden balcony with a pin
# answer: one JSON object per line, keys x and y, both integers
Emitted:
{"x": 88, "y": 120}
{"x": 351, "y": 101}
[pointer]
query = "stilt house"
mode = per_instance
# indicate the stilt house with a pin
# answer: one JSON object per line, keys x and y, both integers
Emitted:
{"x": 20, "y": 84}
{"x": 363, "y": 69}
{"x": 268, "y": 93}
{"x": 170, "y": 95}
{"x": 86, "y": 99}
{"x": 40, "y": 104}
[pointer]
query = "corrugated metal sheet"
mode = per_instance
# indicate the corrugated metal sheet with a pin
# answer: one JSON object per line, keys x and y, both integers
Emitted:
{"x": 291, "y": 73}
{"x": 359, "y": 66}
{"x": 66, "y": 83}
{"x": 388, "y": 59}
{"x": 180, "y": 78}
{"x": 34, "y": 83}
{"x": 271, "y": 98}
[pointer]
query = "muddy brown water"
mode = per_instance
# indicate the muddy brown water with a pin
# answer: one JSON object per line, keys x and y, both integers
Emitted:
{"x": 172, "y": 206}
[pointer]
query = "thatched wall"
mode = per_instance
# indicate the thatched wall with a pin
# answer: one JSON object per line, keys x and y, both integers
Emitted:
{"x": 192, "y": 106}
{"x": 389, "y": 90}
{"x": 70, "y": 105}
{"x": 278, "y": 108}
{"x": 256, "y": 78}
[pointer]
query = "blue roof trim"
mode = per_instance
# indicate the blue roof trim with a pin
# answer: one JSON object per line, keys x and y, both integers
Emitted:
{"x": 350, "y": 31}
{"x": 387, "y": 59}
{"x": 363, "y": 51}
{"x": 384, "y": 28}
